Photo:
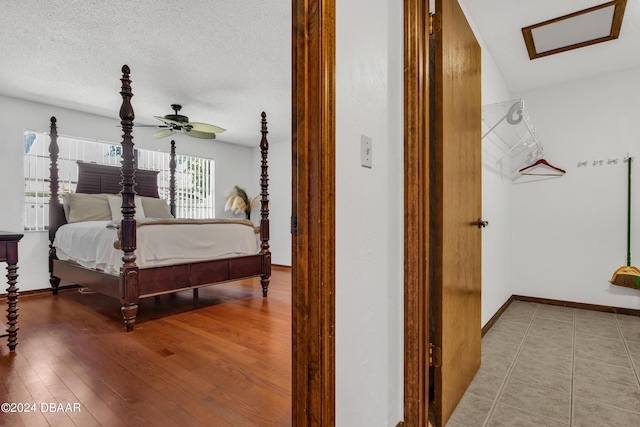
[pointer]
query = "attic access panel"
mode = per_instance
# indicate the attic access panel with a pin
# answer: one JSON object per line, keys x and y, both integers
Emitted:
{"x": 583, "y": 28}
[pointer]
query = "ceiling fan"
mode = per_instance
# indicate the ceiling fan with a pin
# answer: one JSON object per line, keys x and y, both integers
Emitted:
{"x": 179, "y": 123}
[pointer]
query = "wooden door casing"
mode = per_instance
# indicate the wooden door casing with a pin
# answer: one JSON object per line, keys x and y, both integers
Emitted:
{"x": 313, "y": 207}
{"x": 456, "y": 192}
{"x": 416, "y": 212}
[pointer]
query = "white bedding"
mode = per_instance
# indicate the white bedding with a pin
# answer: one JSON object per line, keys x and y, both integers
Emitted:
{"x": 91, "y": 244}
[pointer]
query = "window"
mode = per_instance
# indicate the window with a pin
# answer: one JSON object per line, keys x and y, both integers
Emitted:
{"x": 195, "y": 196}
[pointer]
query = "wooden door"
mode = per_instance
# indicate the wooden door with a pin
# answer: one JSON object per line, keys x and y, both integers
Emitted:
{"x": 456, "y": 197}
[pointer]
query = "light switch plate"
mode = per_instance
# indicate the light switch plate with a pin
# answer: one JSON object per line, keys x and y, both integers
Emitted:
{"x": 366, "y": 154}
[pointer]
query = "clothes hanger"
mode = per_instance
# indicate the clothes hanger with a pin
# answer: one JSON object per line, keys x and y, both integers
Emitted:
{"x": 556, "y": 171}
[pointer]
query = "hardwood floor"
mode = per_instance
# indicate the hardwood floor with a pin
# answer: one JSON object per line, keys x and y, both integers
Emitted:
{"x": 221, "y": 360}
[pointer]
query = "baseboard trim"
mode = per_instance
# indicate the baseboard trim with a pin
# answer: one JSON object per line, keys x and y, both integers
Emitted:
{"x": 43, "y": 291}
{"x": 497, "y": 315}
{"x": 581, "y": 305}
{"x": 281, "y": 267}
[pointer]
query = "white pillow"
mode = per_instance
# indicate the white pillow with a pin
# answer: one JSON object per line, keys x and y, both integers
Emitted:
{"x": 86, "y": 207}
{"x": 115, "y": 204}
{"x": 155, "y": 208}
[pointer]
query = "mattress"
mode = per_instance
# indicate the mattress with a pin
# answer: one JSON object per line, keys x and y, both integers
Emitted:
{"x": 91, "y": 243}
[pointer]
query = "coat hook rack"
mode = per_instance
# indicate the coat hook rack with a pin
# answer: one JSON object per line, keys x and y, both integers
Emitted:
{"x": 600, "y": 162}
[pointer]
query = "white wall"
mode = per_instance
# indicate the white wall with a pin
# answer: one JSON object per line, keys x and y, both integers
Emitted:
{"x": 369, "y": 206}
{"x": 496, "y": 197}
{"x": 569, "y": 234}
{"x": 496, "y": 205}
{"x": 234, "y": 165}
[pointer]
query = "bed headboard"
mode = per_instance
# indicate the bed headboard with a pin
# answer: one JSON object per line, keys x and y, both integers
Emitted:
{"x": 94, "y": 178}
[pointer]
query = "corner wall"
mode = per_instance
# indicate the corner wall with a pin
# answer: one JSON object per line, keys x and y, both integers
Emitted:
{"x": 496, "y": 197}
{"x": 569, "y": 234}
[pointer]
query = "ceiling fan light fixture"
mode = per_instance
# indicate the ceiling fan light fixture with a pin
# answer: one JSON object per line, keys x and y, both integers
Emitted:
{"x": 178, "y": 123}
{"x": 177, "y": 117}
{"x": 579, "y": 29}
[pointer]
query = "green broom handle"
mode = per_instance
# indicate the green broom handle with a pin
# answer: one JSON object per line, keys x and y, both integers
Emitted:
{"x": 629, "y": 214}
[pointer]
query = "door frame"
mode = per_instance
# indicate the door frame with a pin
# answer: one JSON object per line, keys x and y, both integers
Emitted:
{"x": 313, "y": 249}
{"x": 416, "y": 212}
{"x": 313, "y": 210}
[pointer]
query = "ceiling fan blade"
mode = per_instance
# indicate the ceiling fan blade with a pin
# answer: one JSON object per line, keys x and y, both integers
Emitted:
{"x": 205, "y": 127}
{"x": 198, "y": 134}
{"x": 169, "y": 121}
{"x": 163, "y": 133}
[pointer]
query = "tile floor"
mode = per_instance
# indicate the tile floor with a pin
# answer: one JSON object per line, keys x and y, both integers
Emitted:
{"x": 545, "y": 365}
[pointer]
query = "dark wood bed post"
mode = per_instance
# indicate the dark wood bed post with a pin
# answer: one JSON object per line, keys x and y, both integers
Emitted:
{"x": 172, "y": 179}
{"x": 264, "y": 209}
{"x": 55, "y": 210}
{"x": 129, "y": 275}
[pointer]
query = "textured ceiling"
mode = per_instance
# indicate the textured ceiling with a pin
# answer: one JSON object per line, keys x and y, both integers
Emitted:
{"x": 500, "y": 23}
{"x": 224, "y": 61}
{"x": 227, "y": 60}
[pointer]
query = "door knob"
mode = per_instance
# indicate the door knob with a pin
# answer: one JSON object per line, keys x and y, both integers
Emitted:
{"x": 481, "y": 223}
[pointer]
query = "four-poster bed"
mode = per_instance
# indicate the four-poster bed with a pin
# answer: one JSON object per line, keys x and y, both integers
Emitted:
{"x": 134, "y": 279}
